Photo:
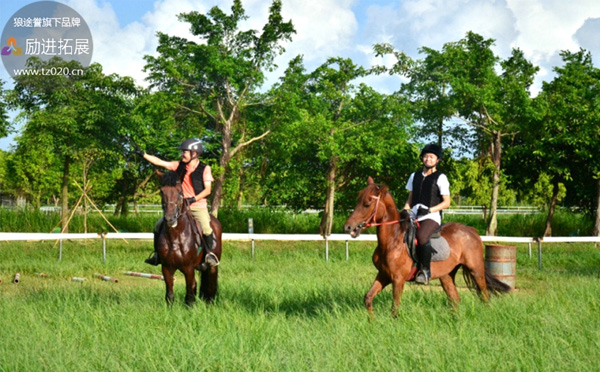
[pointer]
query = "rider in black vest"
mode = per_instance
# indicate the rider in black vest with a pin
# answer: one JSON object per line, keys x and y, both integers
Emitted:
{"x": 429, "y": 194}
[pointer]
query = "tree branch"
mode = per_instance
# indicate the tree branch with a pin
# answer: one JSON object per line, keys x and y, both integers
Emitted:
{"x": 244, "y": 144}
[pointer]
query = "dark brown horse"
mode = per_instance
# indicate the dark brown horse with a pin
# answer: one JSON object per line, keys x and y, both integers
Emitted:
{"x": 376, "y": 207}
{"x": 177, "y": 246}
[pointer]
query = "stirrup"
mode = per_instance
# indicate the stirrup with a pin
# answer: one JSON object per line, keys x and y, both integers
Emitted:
{"x": 423, "y": 277}
{"x": 214, "y": 261}
{"x": 211, "y": 259}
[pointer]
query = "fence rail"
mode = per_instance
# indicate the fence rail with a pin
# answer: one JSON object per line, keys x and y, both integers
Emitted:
{"x": 464, "y": 209}
{"x": 280, "y": 237}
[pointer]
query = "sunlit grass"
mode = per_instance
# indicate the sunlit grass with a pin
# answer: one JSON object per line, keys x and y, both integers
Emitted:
{"x": 289, "y": 310}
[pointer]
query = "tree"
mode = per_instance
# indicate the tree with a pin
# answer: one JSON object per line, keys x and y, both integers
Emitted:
{"x": 71, "y": 114}
{"x": 332, "y": 134}
{"x": 565, "y": 139}
{"x": 493, "y": 105}
{"x": 217, "y": 79}
{"x": 4, "y": 123}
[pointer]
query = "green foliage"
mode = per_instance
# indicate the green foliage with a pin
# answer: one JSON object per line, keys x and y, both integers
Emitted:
{"x": 328, "y": 126}
{"x": 216, "y": 80}
{"x": 4, "y": 123}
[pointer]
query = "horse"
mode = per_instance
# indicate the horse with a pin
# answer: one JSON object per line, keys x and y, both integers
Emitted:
{"x": 177, "y": 245}
{"x": 376, "y": 207}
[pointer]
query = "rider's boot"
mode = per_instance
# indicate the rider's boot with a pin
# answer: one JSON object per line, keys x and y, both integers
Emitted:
{"x": 424, "y": 255}
{"x": 210, "y": 259}
{"x": 153, "y": 259}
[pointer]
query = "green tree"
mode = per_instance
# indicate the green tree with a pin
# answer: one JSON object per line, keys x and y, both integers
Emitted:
{"x": 463, "y": 79}
{"x": 4, "y": 123}
{"x": 72, "y": 114}
{"x": 494, "y": 105}
{"x": 564, "y": 141}
{"x": 217, "y": 79}
{"x": 333, "y": 134}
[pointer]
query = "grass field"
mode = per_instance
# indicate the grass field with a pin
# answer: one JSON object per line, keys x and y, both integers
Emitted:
{"x": 289, "y": 310}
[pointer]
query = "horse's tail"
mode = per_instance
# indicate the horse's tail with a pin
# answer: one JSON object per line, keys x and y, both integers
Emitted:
{"x": 494, "y": 285}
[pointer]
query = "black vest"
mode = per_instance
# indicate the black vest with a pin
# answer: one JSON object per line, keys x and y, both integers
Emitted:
{"x": 425, "y": 189}
{"x": 197, "y": 176}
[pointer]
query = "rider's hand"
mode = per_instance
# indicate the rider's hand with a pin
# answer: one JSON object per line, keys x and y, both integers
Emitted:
{"x": 191, "y": 200}
{"x": 423, "y": 211}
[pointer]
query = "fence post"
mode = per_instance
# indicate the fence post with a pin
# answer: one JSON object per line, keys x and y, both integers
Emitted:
{"x": 326, "y": 249}
{"x": 59, "y": 250}
{"x": 539, "y": 240}
{"x": 346, "y": 250}
{"x": 103, "y": 236}
{"x": 250, "y": 232}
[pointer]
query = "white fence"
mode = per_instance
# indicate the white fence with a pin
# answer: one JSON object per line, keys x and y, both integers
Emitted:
{"x": 280, "y": 237}
{"x": 463, "y": 209}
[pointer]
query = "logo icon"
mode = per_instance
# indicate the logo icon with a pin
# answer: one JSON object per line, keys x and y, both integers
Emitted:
{"x": 12, "y": 48}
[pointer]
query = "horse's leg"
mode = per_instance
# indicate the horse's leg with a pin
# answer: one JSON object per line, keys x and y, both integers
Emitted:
{"x": 398, "y": 286}
{"x": 209, "y": 284}
{"x": 450, "y": 289}
{"x": 381, "y": 281}
{"x": 190, "y": 285}
{"x": 476, "y": 268}
{"x": 168, "y": 274}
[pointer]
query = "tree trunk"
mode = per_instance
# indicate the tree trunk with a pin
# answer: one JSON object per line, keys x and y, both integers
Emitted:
{"x": 217, "y": 193}
{"x": 548, "y": 229}
{"x": 240, "y": 193}
{"x": 492, "y": 228}
{"x": 596, "y": 231}
{"x": 327, "y": 219}
{"x": 65, "y": 196}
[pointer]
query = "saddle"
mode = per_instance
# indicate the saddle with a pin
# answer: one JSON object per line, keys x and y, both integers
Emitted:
{"x": 440, "y": 248}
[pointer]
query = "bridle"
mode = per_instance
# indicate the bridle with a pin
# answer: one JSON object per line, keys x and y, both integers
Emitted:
{"x": 178, "y": 204}
{"x": 368, "y": 223}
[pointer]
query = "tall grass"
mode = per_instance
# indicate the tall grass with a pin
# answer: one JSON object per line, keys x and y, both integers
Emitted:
{"x": 289, "y": 310}
{"x": 267, "y": 221}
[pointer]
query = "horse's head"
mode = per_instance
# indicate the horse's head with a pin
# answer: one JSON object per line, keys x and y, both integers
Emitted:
{"x": 369, "y": 209}
{"x": 172, "y": 197}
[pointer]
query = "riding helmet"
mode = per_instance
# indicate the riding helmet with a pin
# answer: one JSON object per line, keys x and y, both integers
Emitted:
{"x": 432, "y": 148}
{"x": 192, "y": 144}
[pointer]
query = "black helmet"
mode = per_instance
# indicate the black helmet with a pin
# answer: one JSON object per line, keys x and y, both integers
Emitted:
{"x": 192, "y": 144}
{"x": 432, "y": 148}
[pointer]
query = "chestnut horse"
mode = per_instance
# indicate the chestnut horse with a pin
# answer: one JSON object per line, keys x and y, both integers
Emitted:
{"x": 376, "y": 207}
{"x": 177, "y": 246}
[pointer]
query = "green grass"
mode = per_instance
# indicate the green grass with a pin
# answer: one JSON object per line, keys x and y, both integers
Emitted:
{"x": 268, "y": 221}
{"x": 289, "y": 310}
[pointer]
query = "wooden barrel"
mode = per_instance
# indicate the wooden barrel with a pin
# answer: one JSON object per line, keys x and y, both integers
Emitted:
{"x": 501, "y": 262}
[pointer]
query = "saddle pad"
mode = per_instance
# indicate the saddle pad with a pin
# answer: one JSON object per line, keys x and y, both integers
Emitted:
{"x": 441, "y": 249}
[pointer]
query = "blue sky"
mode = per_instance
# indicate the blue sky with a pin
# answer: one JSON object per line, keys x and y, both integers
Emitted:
{"x": 124, "y": 30}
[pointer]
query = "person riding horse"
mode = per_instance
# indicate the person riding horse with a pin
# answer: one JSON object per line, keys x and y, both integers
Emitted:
{"x": 429, "y": 193}
{"x": 196, "y": 185}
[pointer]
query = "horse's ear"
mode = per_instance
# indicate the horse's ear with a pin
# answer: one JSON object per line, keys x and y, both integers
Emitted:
{"x": 370, "y": 181}
{"x": 159, "y": 174}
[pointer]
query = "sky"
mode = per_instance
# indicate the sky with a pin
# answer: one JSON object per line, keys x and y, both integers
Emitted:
{"x": 124, "y": 31}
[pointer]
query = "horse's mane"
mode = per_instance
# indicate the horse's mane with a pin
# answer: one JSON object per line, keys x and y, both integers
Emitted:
{"x": 169, "y": 179}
